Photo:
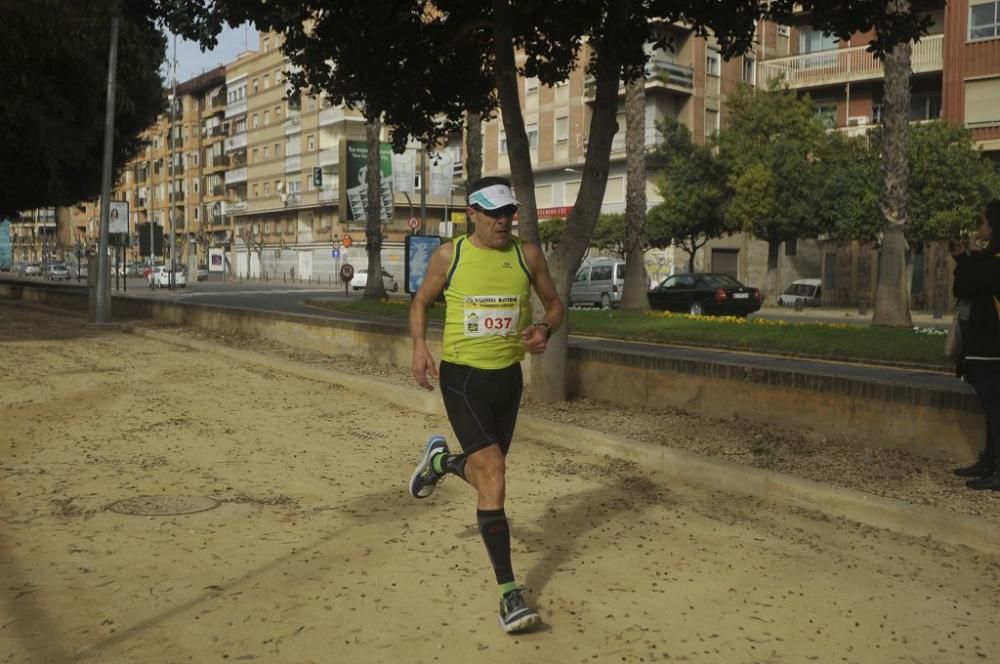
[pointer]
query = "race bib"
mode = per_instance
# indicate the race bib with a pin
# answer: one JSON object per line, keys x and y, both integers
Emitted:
{"x": 492, "y": 315}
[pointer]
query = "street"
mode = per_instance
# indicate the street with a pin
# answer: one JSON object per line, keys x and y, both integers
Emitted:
{"x": 314, "y": 552}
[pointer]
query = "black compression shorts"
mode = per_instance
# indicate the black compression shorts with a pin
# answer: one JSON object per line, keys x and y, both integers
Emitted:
{"x": 482, "y": 404}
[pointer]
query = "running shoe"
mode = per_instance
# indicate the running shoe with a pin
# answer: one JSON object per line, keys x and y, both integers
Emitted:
{"x": 515, "y": 616}
{"x": 424, "y": 479}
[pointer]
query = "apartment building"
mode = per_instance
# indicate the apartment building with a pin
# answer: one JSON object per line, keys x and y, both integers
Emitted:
{"x": 34, "y": 237}
{"x": 689, "y": 84}
{"x": 289, "y": 191}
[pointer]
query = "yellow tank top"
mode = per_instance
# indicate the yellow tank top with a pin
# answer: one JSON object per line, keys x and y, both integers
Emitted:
{"x": 487, "y": 296}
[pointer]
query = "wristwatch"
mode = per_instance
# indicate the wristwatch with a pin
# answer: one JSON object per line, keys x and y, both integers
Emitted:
{"x": 548, "y": 329}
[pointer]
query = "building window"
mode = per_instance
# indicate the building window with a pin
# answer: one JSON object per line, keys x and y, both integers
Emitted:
{"x": 267, "y": 118}
{"x": 277, "y": 150}
{"x": 256, "y": 191}
{"x": 267, "y": 153}
{"x": 267, "y": 228}
{"x": 749, "y": 69}
{"x": 256, "y": 86}
{"x": 982, "y": 102}
{"x": 814, "y": 41}
{"x": 562, "y": 129}
{"x": 267, "y": 81}
{"x": 277, "y": 77}
{"x": 311, "y": 142}
{"x": 255, "y": 156}
{"x": 266, "y": 44}
{"x": 711, "y": 121}
{"x": 267, "y": 188}
{"x": 532, "y": 131}
{"x": 277, "y": 113}
{"x": 784, "y": 31}
{"x": 984, "y": 21}
{"x": 826, "y": 111}
{"x": 503, "y": 142}
{"x": 256, "y": 121}
{"x": 713, "y": 63}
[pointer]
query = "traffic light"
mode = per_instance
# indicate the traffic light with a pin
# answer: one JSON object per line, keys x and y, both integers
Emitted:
{"x": 317, "y": 177}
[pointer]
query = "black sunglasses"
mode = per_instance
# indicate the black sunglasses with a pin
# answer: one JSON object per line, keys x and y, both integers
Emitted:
{"x": 505, "y": 211}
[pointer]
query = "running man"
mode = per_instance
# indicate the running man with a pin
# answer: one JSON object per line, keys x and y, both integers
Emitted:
{"x": 487, "y": 278}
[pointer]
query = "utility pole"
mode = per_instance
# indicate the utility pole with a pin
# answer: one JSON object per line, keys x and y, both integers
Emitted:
{"x": 173, "y": 166}
{"x": 102, "y": 311}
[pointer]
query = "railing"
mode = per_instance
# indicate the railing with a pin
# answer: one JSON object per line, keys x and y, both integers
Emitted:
{"x": 234, "y": 207}
{"x": 218, "y": 190}
{"x": 236, "y": 175}
{"x": 329, "y": 195}
{"x": 845, "y": 64}
{"x": 219, "y": 161}
{"x": 217, "y": 131}
{"x": 660, "y": 73}
{"x": 176, "y": 196}
{"x": 235, "y": 142}
{"x": 218, "y": 101}
{"x": 293, "y": 125}
{"x": 293, "y": 163}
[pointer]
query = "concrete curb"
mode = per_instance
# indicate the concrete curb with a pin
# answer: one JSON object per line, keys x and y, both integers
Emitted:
{"x": 676, "y": 465}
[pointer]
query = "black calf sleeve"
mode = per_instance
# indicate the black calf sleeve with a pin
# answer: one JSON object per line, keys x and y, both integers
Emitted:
{"x": 495, "y": 531}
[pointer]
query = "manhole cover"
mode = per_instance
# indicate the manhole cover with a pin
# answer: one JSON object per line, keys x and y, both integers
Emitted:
{"x": 164, "y": 505}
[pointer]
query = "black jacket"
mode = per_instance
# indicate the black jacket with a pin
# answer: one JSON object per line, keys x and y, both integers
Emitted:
{"x": 977, "y": 283}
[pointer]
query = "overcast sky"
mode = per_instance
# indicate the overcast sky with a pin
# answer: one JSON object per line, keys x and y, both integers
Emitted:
{"x": 191, "y": 61}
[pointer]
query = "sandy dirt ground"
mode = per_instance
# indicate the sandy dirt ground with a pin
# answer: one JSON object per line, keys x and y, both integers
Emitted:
{"x": 316, "y": 553}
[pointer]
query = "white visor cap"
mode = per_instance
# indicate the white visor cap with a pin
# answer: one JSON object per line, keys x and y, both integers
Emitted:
{"x": 493, "y": 197}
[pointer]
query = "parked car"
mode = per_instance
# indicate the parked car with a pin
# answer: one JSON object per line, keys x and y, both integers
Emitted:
{"x": 808, "y": 291}
{"x": 705, "y": 294}
{"x": 600, "y": 283}
{"x": 58, "y": 272}
{"x": 160, "y": 277}
{"x": 360, "y": 280}
{"x": 33, "y": 269}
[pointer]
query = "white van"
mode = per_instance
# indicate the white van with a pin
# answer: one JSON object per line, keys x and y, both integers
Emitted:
{"x": 809, "y": 291}
{"x": 600, "y": 283}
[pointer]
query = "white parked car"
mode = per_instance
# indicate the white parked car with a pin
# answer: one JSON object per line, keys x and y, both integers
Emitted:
{"x": 58, "y": 272}
{"x": 360, "y": 280}
{"x": 160, "y": 277}
{"x": 33, "y": 270}
{"x": 807, "y": 291}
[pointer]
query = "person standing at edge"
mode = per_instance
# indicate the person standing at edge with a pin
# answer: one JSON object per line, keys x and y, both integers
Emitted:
{"x": 487, "y": 278}
{"x": 977, "y": 286}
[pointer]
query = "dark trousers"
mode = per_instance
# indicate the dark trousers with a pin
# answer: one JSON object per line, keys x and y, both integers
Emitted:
{"x": 985, "y": 379}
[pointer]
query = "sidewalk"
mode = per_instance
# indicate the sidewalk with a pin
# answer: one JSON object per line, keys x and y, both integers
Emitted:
{"x": 842, "y": 315}
{"x": 315, "y": 552}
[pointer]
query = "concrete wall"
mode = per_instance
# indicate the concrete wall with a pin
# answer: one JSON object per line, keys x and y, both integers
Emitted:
{"x": 937, "y": 422}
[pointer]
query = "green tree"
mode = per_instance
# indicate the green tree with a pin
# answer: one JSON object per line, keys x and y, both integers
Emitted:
{"x": 769, "y": 151}
{"x": 550, "y": 232}
{"x": 53, "y": 82}
{"x": 695, "y": 195}
{"x": 609, "y": 234}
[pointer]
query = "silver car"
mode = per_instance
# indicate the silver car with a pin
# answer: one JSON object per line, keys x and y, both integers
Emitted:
{"x": 58, "y": 272}
{"x": 600, "y": 283}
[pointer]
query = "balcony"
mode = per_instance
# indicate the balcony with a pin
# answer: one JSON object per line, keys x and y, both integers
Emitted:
{"x": 217, "y": 131}
{"x": 838, "y": 66}
{"x": 218, "y": 190}
{"x": 329, "y": 196}
{"x": 236, "y": 175}
{"x": 293, "y": 125}
{"x": 235, "y": 142}
{"x": 661, "y": 74}
{"x": 176, "y": 196}
{"x": 218, "y": 101}
{"x": 234, "y": 207}
{"x": 293, "y": 164}
{"x": 291, "y": 199}
{"x": 329, "y": 157}
{"x": 236, "y": 108}
{"x": 218, "y": 161}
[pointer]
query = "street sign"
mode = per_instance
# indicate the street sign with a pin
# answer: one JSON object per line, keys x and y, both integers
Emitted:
{"x": 413, "y": 223}
{"x": 336, "y": 244}
{"x": 348, "y": 242}
{"x": 335, "y": 253}
{"x": 346, "y": 272}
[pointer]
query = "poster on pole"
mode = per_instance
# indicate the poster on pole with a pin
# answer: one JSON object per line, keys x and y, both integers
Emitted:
{"x": 418, "y": 257}
{"x": 216, "y": 259}
{"x": 442, "y": 174}
{"x": 404, "y": 172}
{"x": 5, "y": 246}
{"x": 357, "y": 181}
{"x": 118, "y": 224}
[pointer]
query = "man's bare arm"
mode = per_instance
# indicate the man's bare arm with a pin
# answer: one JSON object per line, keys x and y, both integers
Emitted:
{"x": 434, "y": 282}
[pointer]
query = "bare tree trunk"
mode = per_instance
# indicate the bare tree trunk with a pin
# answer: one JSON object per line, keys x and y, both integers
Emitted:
{"x": 548, "y": 371}
{"x": 473, "y": 154}
{"x": 892, "y": 303}
{"x": 374, "y": 288}
{"x": 772, "y": 286}
{"x": 636, "y": 285}
{"x": 518, "y": 151}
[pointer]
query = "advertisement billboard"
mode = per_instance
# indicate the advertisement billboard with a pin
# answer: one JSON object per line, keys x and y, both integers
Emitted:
{"x": 357, "y": 184}
{"x": 418, "y": 257}
{"x": 5, "y": 246}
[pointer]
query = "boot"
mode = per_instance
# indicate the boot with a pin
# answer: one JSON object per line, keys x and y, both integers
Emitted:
{"x": 984, "y": 483}
{"x": 981, "y": 468}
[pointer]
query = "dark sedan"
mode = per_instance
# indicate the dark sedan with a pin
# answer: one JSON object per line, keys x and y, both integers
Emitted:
{"x": 705, "y": 294}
